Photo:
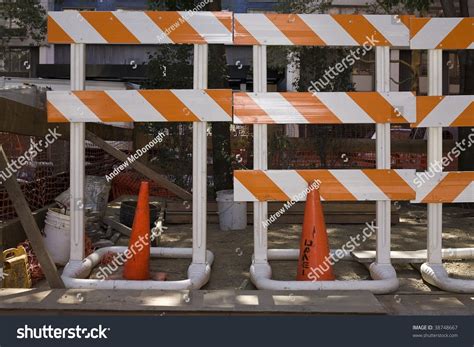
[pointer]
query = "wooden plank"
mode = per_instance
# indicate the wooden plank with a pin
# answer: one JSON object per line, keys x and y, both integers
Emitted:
{"x": 356, "y": 145}
{"x": 143, "y": 169}
{"x": 29, "y": 225}
{"x": 328, "y": 207}
{"x": 334, "y": 212}
{"x": 2, "y": 260}
{"x": 397, "y": 257}
{"x": 113, "y": 222}
{"x": 218, "y": 301}
{"x": 213, "y": 218}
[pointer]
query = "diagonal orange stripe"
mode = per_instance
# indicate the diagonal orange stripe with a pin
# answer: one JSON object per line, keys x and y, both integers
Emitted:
{"x": 391, "y": 184}
{"x": 54, "y": 116}
{"x": 175, "y": 26}
{"x": 360, "y": 29}
{"x": 248, "y": 111}
{"x": 225, "y": 18}
{"x": 311, "y": 108}
{"x": 109, "y": 27}
{"x": 405, "y": 19}
{"x": 223, "y": 97}
{"x": 466, "y": 118}
{"x": 424, "y": 106}
{"x": 295, "y": 29}
{"x": 260, "y": 185}
{"x": 169, "y": 105}
{"x": 103, "y": 106}
{"x": 56, "y": 34}
{"x": 450, "y": 187}
{"x": 416, "y": 24}
{"x": 377, "y": 107}
{"x": 460, "y": 37}
{"x": 242, "y": 36}
{"x": 330, "y": 188}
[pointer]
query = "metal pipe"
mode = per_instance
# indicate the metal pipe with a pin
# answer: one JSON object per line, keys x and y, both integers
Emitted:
{"x": 77, "y": 277}
{"x": 384, "y": 281}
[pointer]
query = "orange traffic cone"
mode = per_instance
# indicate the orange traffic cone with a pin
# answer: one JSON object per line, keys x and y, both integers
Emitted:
{"x": 137, "y": 266}
{"x": 313, "y": 261}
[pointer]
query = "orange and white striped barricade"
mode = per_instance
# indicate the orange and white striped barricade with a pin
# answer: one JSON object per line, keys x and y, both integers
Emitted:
{"x": 320, "y": 30}
{"x": 199, "y": 106}
{"x": 435, "y": 112}
{"x": 139, "y": 27}
{"x": 444, "y": 187}
{"x": 367, "y": 31}
{"x": 333, "y": 185}
{"x": 442, "y": 33}
{"x": 444, "y": 111}
{"x": 324, "y": 108}
{"x": 165, "y": 105}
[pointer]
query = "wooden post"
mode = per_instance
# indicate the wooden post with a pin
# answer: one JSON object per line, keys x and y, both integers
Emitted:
{"x": 2, "y": 261}
{"x": 31, "y": 228}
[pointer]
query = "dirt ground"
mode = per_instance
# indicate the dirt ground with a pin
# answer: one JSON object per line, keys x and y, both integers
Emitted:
{"x": 233, "y": 250}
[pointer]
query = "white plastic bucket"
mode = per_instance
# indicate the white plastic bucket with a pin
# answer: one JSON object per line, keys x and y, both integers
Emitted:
{"x": 232, "y": 215}
{"x": 58, "y": 236}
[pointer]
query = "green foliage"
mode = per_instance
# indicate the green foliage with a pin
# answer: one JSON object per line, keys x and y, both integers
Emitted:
{"x": 400, "y": 6}
{"x": 279, "y": 147}
{"x": 312, "y": 63}
{"x": 22, "y": 19}
{"x": 168, "y": 5}
{"x": 304, "y": 6}
{"x": 170, "y": 67}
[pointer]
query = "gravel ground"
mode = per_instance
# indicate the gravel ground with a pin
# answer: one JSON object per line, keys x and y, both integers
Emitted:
{"x": 233, "y": 250}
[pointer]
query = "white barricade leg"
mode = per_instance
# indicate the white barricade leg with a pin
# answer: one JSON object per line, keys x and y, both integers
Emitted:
{"x": 260, "y": 264}
{"x": 76, "y": 162}
{"x": 433, "y": 270}
{"x": 382, "y": 268}
{"x": 382, "y": 61}
{"x": 199, "y": 270}
{"x": 435, "y": 154}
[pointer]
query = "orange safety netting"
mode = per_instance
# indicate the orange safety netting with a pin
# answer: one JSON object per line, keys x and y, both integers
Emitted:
{"x": 128, "y": 183}
{"x": 47, "y": 176}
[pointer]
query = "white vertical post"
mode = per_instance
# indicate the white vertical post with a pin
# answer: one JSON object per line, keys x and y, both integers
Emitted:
{"x": 382, "y": 74}
{"x": 77, "y": 159}
{"x": 435, "y": 154}
{"x": 260, "y": 159}
{"x": 200, "y": 162}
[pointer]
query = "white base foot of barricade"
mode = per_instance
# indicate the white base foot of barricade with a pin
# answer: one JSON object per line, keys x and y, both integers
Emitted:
{"x": 384, "y": 277}
{"x": 436, "y": 275}
{"x": 75, "y": 273}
